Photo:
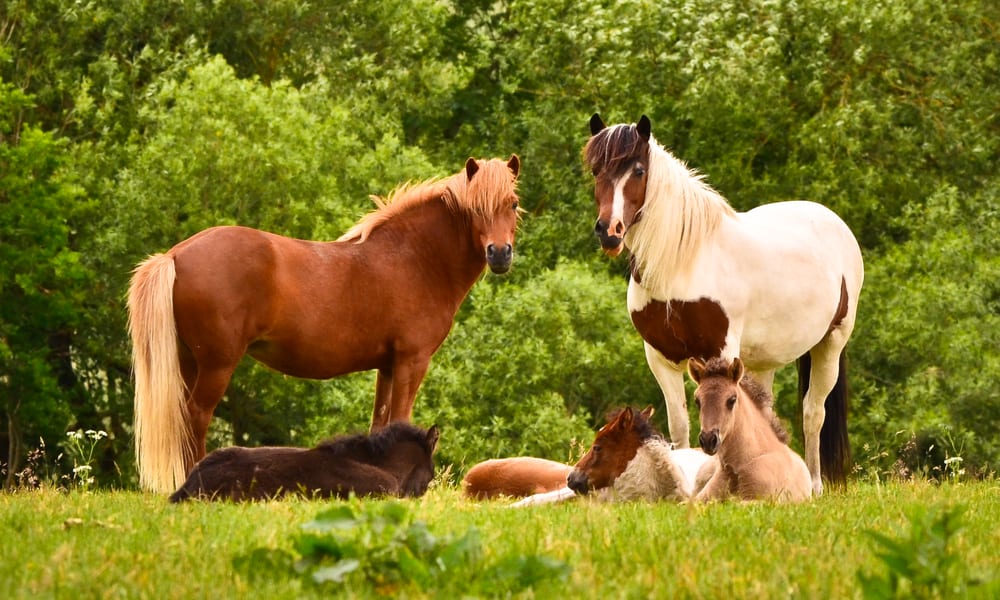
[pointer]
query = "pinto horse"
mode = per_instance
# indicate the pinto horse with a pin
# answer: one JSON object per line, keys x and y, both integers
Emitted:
{"x": 383, "y": 296}
{"x": 739, "y": 426}
{"x": 770, "y": 285}
{"x": 396, "y": 461}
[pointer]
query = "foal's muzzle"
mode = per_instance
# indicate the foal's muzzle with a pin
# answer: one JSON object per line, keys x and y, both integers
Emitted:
{"x": 499, "y": 259}
{"x": 709, "y": 441}
{"x": 611, "y": 241}
{"x": 577, "y": 481}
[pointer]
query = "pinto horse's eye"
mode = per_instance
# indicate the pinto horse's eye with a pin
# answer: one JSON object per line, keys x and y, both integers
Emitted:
{"x": 638, "y": 171}
{"x": 731, "y": 402}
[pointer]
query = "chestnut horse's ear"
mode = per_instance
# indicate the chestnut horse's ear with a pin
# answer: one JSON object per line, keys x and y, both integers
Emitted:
{"x": 433, "y": 434}
{"x": 471, "y": 166}
{"x": 647, "y": 412}
{"x": 696, "y": 369}
{"x": 596, "y": 124}
{"x": 736, "y": 370}
{"x": 514, "y": 164}
{"x": 644, "y": 127}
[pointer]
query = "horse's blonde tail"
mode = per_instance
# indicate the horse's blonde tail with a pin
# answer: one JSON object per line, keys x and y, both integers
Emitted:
{"x": 163, "y": 445}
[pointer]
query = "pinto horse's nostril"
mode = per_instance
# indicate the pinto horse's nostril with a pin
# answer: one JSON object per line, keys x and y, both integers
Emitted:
{"x": 619, "y": 229}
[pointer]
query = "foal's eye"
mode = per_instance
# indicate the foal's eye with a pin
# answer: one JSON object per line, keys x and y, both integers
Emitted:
{"x": 731, "y": 402}
{"x": 697, "y": 403}
{"x": 597, "y": 448}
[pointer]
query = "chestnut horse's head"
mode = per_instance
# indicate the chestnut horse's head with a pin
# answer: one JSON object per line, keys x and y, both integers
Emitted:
{"x": 614, "y": 447}
{"x": 491, "y": 196}
{"x": 618, "y": 156}
{"x": 716, "y": 397}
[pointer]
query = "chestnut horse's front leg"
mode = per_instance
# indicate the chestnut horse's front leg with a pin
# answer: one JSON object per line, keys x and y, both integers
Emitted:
{"x": 383, "y": 399}
{"x": 396, "y": 389}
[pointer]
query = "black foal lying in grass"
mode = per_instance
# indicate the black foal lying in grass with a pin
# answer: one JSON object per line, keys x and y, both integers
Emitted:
{"x": 396, "y": 461}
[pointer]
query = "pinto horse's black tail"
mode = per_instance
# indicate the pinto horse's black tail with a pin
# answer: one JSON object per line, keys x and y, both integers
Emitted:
{"x": 834, "y": 447}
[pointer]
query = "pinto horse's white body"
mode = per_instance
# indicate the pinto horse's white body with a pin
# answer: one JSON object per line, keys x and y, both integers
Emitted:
{"x": 769, "y": 285}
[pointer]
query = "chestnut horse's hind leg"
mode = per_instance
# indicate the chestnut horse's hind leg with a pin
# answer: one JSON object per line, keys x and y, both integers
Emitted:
{"x": 206, "y": 392}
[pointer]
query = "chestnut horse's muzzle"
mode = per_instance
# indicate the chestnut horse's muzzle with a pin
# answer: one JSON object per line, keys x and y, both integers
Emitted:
{"x": 709, "y": 441}
{"x": 499, "y": 259}
{"x": 577, "y": 481}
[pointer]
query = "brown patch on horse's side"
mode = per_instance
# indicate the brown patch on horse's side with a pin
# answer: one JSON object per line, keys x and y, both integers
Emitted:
{"x": 838, "y": 317}
{"x": 683, "y": 329}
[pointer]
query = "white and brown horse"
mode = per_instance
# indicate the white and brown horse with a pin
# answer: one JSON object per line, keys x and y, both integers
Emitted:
{"x": 771, "y": 285}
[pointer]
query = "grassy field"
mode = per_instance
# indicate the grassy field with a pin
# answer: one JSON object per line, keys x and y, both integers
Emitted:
{"x": 129, "y": 544}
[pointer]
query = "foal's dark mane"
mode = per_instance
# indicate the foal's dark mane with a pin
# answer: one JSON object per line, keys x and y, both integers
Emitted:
{"x": 378, "y": 443}
{"x": 762, "y": 399}
{"x": 613, "y": 148}
{"x": 640, "y": 423}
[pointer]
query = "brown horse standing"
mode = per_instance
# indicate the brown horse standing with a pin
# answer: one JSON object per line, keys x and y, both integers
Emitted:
{"x": 383, "y": 296}
{"x": 739, "y": 424}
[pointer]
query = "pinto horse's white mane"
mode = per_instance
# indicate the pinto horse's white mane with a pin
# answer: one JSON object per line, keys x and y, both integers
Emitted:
{"x": 680, "y": 212}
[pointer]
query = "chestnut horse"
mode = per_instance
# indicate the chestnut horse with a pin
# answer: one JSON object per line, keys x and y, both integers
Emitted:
{"x": 738, "y": 425}
{"x": 770, "y": 285}
{"x": 630, "y": 460}
{"x": 514, "y": 477}
{"x": 383, "y": 296}
{"x": 396, "y": 461}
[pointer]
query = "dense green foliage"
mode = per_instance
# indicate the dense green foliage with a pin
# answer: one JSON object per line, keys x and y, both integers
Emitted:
{"x": 128, "y": 125}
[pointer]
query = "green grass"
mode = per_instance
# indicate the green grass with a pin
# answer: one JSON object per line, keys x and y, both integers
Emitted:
{"x": 129, "y": 544}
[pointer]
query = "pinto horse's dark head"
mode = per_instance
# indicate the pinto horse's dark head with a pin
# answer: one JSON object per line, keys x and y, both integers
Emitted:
{"x": 618, "y": 156}
{"x": 491, "y": 193}
{"x": 614, "y": 447}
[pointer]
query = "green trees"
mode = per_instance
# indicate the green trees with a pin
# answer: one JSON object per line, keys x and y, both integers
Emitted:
{"x": 128, "y": 125}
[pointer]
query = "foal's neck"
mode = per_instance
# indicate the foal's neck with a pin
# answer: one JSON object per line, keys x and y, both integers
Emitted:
{"x": 751, "y": 435}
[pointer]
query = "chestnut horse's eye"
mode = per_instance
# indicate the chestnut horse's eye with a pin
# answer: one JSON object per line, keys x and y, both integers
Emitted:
{"x": 515, "y": 205}
{"x": 731, "y": 402}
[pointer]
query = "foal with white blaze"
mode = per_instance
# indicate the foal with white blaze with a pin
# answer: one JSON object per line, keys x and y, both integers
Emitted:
{"x": 771, "y": 285}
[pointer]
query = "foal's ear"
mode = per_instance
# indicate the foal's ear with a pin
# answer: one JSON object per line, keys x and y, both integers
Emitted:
{"x": 471, "y": 166}
{"x": 647, "y": 412}
{"x": 696, "y": 369}
{"x": 624, "y": 419}
{"x": 596, "y": 124}
{"x": 514, "y": 164}
{"x": 433, "y": 434}
{"x": 736, "y": 370}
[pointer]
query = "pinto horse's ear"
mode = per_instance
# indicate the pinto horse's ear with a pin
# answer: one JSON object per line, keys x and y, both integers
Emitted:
{"x": 644, "y": 127}
{"x": 433, "y": 434}
{"x": 736, "y": 370}
{"x": 596, "y": 124}
{"x": 514, "y": 164}
{"x": 647, "y": 412}
{"x": 696, "y": 369}
{"x": 471, "y": 167}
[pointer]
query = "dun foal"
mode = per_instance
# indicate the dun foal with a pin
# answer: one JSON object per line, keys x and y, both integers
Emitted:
{"x": 738, "y": 425}
{"x": 394, "y": 461}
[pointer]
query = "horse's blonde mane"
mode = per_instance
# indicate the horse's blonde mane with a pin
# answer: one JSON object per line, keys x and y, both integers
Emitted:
{"x": 681, "y": 211}
{"x": 488, "y": 192}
